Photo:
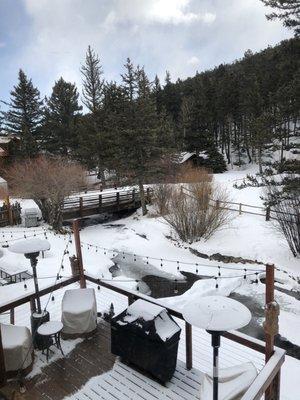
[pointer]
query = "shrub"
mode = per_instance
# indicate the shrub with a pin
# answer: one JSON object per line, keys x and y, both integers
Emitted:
{"x": 190, "y": 209}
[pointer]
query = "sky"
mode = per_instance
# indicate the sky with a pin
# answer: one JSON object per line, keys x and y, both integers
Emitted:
{"x": 49, "y": 38}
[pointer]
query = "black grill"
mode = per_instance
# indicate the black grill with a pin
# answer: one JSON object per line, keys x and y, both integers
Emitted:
{"x": 150, "y": 343}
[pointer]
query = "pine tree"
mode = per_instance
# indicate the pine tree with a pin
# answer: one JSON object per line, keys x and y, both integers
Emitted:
{"x": 129, "y": 79}
{"x": 61, "y": 118}
{"x": 139, "y": 135}
{"x": 92, "y": 82}
{"x": 24, "y": 115}
{"x": 286, "y": 10}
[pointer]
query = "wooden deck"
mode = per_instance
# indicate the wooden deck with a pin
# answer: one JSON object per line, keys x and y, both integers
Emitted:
{"x": 91, "y": 358}
{"x": 90, "y": 371}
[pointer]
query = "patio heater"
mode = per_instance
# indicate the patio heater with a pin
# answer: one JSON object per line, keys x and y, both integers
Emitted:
{"x": 216, "y": 314}
{"x": 31, "y": 249}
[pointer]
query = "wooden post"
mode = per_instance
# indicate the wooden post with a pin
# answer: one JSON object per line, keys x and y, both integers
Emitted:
{"x": 78, "y": 253}
{"x": 270, "y": 272}
{"x": 188, "y": 346}
{"x": 12, "y": 316}
{"x": 240, "y": 209}
{"x": 268, "y": 213}
{"x": 118, "y": 199}
{"x": 9, "y": 212}
{"x": 81, "y": 206}
{"x": 100, "y": 202}
{"x": 217, "y": 203}
{"x": 2, "y": 363}
{"x": 148, "y": 195}
{"x": 133, "y": 197}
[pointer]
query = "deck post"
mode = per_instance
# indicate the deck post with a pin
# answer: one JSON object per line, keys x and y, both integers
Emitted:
{"x": 270, "y": 331}
{"x": 131, "y": 299}
{"x": 100, "y": 202}
{"x": 2, "y": 364}
{"x": 188, "y": 346}
{"x": 78, "y": 253}
{"x": 240, "y": 209}
{"x": 12, "y": 316}
{"x": 80, "y": 206}
{"x": 133, "y": 197}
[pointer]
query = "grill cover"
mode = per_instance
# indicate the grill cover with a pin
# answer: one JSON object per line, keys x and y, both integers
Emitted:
{"x": 146, "y": 336}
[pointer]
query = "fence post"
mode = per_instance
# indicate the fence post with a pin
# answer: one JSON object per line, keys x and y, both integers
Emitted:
{"x": 78, "y": 253}
{"x": 118, "y": 200}
{"x": 240, "y": 209}
{"x": 148, "y": 195}
{"x": 12, "y": 316}
{"x": 80, "y": 206}
{"x": 131, "y": 299}
{"x": 133, "y": 196}
{"x": 2, "y": 364}
{"x": 100, "y": 202}
{"x": 217, "y": 203}
{"x": 268, "y": 213}
{"x": 188, "y": 346}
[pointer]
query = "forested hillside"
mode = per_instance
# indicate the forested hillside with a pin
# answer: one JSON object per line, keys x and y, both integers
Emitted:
{"x": 242, "y": 108}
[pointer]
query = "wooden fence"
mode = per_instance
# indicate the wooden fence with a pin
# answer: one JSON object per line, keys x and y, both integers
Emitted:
{"x": 10, "y": 214}
{"x": 243, "y": 208}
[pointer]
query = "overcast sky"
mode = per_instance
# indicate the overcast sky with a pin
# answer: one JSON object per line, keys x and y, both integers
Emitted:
{"x": 48, "y": 38}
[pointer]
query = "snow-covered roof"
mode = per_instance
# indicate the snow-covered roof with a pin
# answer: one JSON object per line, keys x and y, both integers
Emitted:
{"x": 186, "y": 155}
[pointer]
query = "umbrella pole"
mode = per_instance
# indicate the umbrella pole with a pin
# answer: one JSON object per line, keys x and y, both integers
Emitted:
{"x": 215, "y": 342}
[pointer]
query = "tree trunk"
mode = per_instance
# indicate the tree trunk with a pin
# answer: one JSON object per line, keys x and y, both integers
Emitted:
{"x": 142, "y": 196}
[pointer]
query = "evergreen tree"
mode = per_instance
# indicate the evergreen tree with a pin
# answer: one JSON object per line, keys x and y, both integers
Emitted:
{"x": 24, "y": 115}
{"x": 62, "y": 113}
{"x": 140, "y": 131}
{"x": 287, "y": 11}
{"x": 92, "y": 91}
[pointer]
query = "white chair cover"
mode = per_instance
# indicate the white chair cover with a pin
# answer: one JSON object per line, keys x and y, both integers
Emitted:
{"x": 79, "y": 311}
{"x": 233, "y": 382}
{"x": 17, "y": 347}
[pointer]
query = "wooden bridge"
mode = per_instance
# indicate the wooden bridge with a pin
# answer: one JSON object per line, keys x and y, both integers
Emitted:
{"x": 92, "y": 203}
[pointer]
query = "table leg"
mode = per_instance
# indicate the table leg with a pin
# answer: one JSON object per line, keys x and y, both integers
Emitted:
{"x": 57, "y": 338}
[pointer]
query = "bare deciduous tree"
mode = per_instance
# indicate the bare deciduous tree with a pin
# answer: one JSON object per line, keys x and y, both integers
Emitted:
{"x": 190, "y": 210}
{"x": 47, "y": 180}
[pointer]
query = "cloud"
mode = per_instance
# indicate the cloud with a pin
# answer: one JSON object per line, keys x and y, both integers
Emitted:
{"x": 193, "y": 61}
{"x": 162, "y": 35}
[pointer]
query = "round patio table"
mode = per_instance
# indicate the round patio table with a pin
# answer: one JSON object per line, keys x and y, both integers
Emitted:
{"x": 216, "y": 314}
{"x": 51, "y": 331}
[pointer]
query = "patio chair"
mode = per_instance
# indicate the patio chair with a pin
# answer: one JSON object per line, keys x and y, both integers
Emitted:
{"x": 233, "y": 382}
{"x": 79, "y": 313}
{"x": 18, "y": 350}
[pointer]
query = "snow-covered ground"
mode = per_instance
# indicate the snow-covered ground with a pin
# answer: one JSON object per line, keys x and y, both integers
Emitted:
{"x": 151, "y": 247}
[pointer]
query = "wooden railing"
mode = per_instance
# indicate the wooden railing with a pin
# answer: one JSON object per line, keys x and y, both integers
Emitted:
{"x": 268, "y": 377}
{"x": 111, "y": 201}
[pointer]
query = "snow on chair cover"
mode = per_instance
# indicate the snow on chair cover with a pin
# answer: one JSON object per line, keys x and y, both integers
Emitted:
{"x": 79, "y": 311}
{"x": 17, "y": 347}
{"x": 233, "y": 382}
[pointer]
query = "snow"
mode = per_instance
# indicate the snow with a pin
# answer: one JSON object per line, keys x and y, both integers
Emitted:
{"x": 247, "y": 236}
{"x": 50, "y": 328}
{"x": 144, "y": 309}
{"x": 216, "y": 313}
{"x": 30, "y": 246}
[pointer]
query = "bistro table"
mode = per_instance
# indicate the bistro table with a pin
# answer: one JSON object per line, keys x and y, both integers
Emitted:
{"x": 51, "y": 331}
{"x": 216, "y": 314}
